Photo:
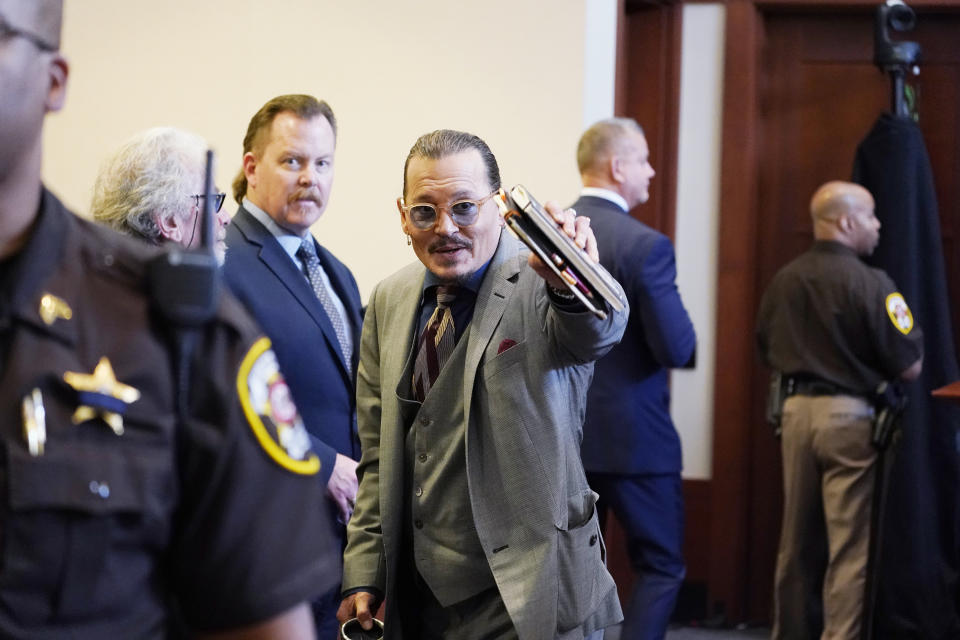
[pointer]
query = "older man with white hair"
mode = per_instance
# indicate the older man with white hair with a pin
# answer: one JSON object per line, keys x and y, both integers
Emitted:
{"x": 152, "y": 188}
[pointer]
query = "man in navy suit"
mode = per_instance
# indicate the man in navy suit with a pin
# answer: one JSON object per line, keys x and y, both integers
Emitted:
{"x": 630, "y": 449}
{"x": 305, "y": 299}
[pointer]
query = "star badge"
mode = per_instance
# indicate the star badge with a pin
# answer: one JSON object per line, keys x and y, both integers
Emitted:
{"x": 100, "y": 394}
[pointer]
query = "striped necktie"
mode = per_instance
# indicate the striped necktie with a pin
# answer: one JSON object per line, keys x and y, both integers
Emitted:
{"x": 308, "y": 255}
{"x": 436, "y": 343}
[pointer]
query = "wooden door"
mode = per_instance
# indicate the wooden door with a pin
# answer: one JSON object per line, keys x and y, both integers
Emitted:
{"x": 819, "y": 94}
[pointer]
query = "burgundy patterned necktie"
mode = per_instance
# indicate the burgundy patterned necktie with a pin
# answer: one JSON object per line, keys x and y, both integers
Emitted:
{"x": 435, "y": 344}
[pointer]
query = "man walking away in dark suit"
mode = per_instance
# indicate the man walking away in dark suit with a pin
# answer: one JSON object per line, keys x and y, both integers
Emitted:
{"x": 631, "y": 450}
{"x": 305, "y": 299}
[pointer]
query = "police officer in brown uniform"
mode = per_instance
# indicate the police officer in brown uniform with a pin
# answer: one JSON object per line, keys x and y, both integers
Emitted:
{"x": 131, "y": 506}
{"x": 837, "y": 329}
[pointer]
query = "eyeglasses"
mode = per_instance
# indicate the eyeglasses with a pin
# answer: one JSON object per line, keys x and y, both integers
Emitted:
{"x": 7, "y": 30}
{"x": 217, "y": 204}
{"x": 463, "y": 212}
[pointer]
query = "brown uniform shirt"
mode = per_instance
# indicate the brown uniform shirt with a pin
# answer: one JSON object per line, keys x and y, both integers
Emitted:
{"x": 828, "y": 315}
{"x": 105, "y": 531}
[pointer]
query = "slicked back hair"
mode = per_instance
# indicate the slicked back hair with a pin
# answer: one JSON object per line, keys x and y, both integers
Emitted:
{"x": 303, "y": 106}
{"x": 603, "y": 139}
{"x": 150, "y": 177}
{"x": 445, "y": 142}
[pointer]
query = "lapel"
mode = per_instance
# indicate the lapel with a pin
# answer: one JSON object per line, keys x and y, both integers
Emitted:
{"x": 404, "y": 303}
{"x": 495, "y": 292}
{"x": 399, "y": 301}
{"x": 272, "y": 255}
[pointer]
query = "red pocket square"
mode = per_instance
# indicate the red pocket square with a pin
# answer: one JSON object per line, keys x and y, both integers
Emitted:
{"x": 506, "y": 344}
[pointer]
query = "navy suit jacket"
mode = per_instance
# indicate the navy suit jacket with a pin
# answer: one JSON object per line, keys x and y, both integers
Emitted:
{"x": 628, "y": 427}
{"x": 262, "y": 275}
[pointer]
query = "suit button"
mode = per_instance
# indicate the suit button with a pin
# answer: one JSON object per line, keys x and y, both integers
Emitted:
{"x": 418, "y": 524}
{"x": 593, "y": 540}
{"x": 422, "y": 457}
{"x": 425, "y": 421}
{"x": 419, "y": 491}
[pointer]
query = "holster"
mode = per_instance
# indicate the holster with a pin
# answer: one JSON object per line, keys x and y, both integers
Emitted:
{"x": 780, "y": 389}
{"x": 889, "y": 402}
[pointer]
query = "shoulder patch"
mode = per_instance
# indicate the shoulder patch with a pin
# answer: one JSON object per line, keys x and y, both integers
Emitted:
{"x": 271, "y": 413}
{"x": 899, "y": 313}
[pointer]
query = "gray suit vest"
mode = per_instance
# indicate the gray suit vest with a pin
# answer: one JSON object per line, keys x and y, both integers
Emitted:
{"x": 446, "y": 550}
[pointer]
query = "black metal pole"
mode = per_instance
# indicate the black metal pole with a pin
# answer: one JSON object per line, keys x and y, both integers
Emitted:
{"x": 898, "y": 99}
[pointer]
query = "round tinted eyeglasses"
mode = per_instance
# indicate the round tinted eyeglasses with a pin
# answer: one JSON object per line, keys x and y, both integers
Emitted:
{"x": 463, "y": 212}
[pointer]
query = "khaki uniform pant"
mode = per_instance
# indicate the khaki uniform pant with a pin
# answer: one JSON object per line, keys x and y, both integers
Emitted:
{"x": 828, "y": 479}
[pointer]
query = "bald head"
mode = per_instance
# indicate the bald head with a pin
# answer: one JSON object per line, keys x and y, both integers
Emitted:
{"x": 836, "y": 198}
{"x": 613, "y": 154}
{"x": 844, "y": 212}
{"x": 602, "y": 140}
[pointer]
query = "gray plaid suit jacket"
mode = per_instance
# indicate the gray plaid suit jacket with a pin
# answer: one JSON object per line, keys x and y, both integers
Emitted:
{"x": 533, "y": 510}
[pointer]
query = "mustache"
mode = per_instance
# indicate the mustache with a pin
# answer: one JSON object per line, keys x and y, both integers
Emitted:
{"x": 307, "y": 194}
{"x": 442, "y": 244}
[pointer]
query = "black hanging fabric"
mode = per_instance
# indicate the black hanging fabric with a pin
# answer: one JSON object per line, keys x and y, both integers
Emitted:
{"x": 918, "y": 573}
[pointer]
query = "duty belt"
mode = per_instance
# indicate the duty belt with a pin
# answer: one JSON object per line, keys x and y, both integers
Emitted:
{"x": 817, "y": 387}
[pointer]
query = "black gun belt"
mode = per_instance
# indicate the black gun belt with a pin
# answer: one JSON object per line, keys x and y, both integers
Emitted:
{"x": 814, "y": 387}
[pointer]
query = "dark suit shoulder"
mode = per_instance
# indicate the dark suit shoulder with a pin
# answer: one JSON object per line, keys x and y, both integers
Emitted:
{"x": 611, "y": 223}
{"x": 625, "y": 244}
{"x": 244, "y": 229}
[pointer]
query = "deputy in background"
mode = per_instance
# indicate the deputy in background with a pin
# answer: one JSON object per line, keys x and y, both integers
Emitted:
{"x": 836, "y": 329}
{"x": 134, "y": 501}
{"x": 152, "y": 188}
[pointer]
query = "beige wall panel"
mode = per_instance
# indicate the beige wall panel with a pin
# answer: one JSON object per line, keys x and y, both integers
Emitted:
{"x": 510, "y": 71}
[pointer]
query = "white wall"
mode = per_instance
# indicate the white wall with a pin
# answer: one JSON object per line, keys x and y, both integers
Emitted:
{"x": 600, "y": 60}
{"x": 698, "y": 208}
{"x": 506, "y": 70}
